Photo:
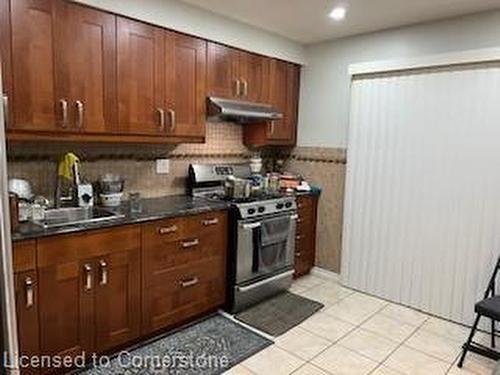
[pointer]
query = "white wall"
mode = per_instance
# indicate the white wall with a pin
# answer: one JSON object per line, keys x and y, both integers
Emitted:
{"x": 325, "y": 92}
{"x": 195, "y": 21}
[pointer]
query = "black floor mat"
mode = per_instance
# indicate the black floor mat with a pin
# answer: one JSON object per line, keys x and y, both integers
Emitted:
{"x": 209, "y": 347}
{"x": 279, "y": 314}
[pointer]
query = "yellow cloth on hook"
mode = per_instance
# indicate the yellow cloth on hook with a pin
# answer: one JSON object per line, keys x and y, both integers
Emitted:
{"x": 66, "y": 166}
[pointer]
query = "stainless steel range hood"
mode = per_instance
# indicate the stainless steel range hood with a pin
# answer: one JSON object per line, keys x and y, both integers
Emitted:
{"x": 241, "y": 111}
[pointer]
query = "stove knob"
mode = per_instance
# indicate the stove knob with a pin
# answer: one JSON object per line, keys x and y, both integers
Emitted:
{"x": 279, "y": 206}
{"x": 288, "y": 204}
{"x": 261, "y": 209}
{"x": 251, "y": 211}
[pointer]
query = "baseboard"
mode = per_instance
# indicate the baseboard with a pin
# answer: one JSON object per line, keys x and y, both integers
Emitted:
{"x": 325, "y": 274}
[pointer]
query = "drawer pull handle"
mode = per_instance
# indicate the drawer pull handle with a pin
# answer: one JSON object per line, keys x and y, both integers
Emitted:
{"x": 187, "y": 244}
{"x": 167, "y": 230}
{"x": 104, "y": 273}
{"x": 298, "y": 237}
{"x": 88, "y": 277}
{"x": 208, "y": 222}
{"x": 298, "y": 254}
{"x": 29, "y": 285}
{"x": 191, "y": 282}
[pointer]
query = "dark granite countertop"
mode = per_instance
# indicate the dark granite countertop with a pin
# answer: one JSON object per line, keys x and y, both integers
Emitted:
{"x": 152, "y": 209}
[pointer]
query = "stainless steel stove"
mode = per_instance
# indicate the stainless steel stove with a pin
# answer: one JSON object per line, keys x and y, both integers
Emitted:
{"x": 261, "y": 238}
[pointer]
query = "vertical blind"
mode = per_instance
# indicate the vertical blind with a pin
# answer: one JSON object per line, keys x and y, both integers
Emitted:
{"x": 422, "y": 208}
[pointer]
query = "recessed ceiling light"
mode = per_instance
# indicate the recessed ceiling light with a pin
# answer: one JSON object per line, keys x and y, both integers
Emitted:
{"x": 338, "y": 13}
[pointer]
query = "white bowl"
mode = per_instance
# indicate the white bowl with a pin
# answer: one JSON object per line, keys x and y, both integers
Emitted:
{"x": 111, "y": 200}
{"x": 20, "y": 187}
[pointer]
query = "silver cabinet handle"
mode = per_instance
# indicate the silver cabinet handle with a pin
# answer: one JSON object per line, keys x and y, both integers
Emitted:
{"x": 173, "y": 119}
{"x": 272, "y": 127}
{"x": 298, "y": 254}
{"x": 294, "y": 217}
{"x": 64, "y": 112}
{"x": 161, "y": 113}
{"x": 187, "y": 244}
{"x": 104, "y": 272}
{"x": 208, "y": 222}
{"x": 245, "y": 87}
{"x": 29, "y": 287}
{"x": 237, "y": 85}
{"x": 6, "y": 109}
{"x": 191, "y": 282}
{"x": 79, "y": 113}
{"x": 87, "y": 268}
{"x": 167, "y": 230}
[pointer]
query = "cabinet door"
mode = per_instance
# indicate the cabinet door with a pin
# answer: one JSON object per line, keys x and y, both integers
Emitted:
{"x": 27, "y": 315}
{"x": 141, "y": 78}
{"x": 254, "y": 72}
{"x": 118, "y": 301}
{"x": 6, "y": 58}
{"x": 222, "y": 71}
{"x": 186, "y": 85}
{"x": 89, "y": 67}
{"x": 34, "y": 39}
{"x": 66, "y": 294}
{"x": 284, "y": 85}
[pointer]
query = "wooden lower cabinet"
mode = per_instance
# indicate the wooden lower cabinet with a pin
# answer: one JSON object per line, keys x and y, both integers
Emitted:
{"x": 118, "y": 295}
{"x": 89, "y": 291}
{"x": 100, "y": 290}
{"x": 305, "y": 244}
{"x": 27, "y": 300}
{"x": 184, "y": 263}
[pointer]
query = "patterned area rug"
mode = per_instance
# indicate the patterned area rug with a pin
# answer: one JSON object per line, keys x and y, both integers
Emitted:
{"x": 279, "y": 314}
{"x": 211, "y": 346}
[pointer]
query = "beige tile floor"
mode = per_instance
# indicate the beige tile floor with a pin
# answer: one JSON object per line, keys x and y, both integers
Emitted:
{"x": 358, "y": 334}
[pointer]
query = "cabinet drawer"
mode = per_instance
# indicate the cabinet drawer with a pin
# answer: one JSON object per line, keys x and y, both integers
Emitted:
{"x": 160, "y": 258}
{"x": 173, "y": 230}
{"x": 24, "y": 255}
{"x": 184, "y": 292}
{"x": 71, "y": 247}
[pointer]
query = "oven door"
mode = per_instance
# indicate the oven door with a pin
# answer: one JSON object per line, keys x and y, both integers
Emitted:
{"x": 259, "y": 255}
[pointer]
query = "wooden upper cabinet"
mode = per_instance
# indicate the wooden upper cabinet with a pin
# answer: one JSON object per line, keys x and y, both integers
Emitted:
{"x": 254, "y": 77}
{"x": 185, "y": 60}
{"x": 88, "y": 68}
{"x": 141, "y": 78}
{"x": 222, "y": 71}
{"x": 34, "y": 38}
{"x": 284, "y": 96}
{"x": 234, "y": 74}
{"x": 6, "y": 58}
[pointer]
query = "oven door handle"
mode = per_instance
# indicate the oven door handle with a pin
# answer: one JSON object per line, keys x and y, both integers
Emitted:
{"x": 251, "y": 225}
{"x": 264, "y": 282}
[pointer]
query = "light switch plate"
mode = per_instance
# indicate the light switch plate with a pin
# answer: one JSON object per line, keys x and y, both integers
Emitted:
{"x": 162, "y": 166}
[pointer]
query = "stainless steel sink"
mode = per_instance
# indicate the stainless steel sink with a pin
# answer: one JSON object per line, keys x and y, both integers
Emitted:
{"x": 60, "y": 217}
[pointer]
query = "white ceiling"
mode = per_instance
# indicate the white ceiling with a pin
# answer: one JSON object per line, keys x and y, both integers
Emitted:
{"x": 307, "y": 21}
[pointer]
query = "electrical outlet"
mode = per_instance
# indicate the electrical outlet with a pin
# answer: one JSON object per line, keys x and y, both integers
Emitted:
{"x": 162, "y": 166}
